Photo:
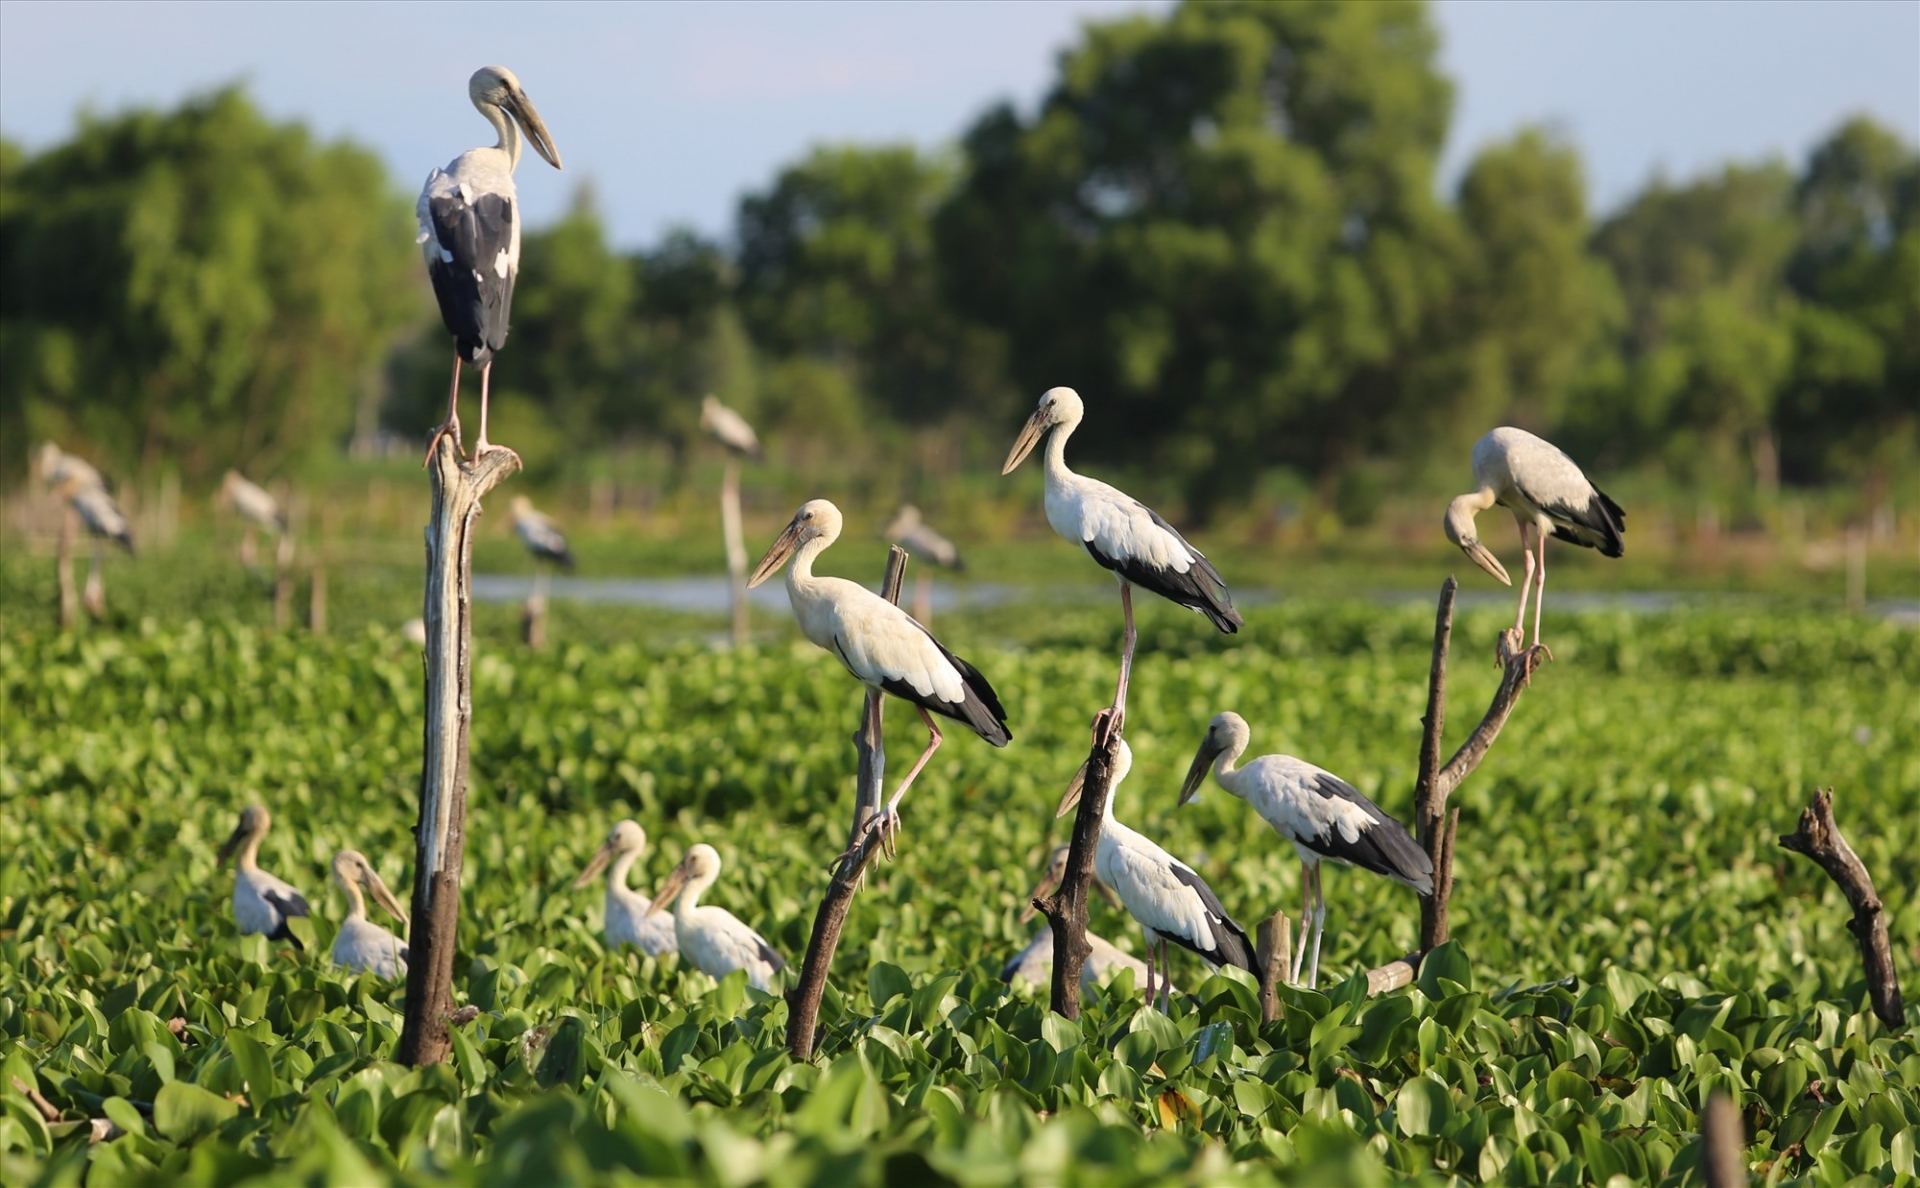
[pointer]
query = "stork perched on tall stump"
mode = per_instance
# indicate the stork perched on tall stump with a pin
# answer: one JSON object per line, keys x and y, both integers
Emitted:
{"x": 731, "y": 430}
{"x": 470, "y": 234}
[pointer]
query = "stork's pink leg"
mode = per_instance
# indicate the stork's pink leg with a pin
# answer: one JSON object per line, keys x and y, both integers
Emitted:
{"x": 1526, "y": 583}
{"x": 1108, "y": 722}
{"x": 1166, "y": 975}
{"x": 887, "y": 820}
{"x": 452, "y": 423}
{"x": 1150, "y": 959}
{"x": 482, "y": 445}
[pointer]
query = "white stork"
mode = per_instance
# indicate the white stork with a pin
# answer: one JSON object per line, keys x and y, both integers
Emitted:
{"x": 1122, "y": 534}
{"x": 630, "y": 916}
{"x": 1324, "y": 817}
{"x": 536, "y": 531}
{"x": 713, "y": 938}
{"x": 914, "y": 534}
{"x": 880, "y": 644}
{"x": 729, "y": 428}
{"x": 470, "y": 233}
{"x": 362, "y": 945}
{"x": 101, "y": 515}
{"x": 1035, "y": 962}
{"x": 254, "y": 502}
{"x": 58, "y": 469}
{"x": 1172, "y": 904}
{"x": 1548, "y": 495}
{"x": 261, "y": 903}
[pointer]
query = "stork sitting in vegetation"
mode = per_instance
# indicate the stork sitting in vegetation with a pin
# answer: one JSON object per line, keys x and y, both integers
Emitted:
{"x": 362, "y": 945}
{"x": 261, "y": 902}
{"x": 713, "y": 938}
{"x": 631, "y": 919}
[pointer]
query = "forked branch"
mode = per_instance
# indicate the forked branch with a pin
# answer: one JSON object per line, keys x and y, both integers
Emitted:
{"x": 1819, "y": 839}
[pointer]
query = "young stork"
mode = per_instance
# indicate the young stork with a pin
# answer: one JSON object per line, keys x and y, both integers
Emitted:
{"x": 470, "y": 233}
{"x": 1121, "y": 533}
{"x": 537, "y": 532}
{"x": 254, "y": 502}
{"x": 1548, "y": 495}
{"x": 713, "y": 938}
{"x": 362, "y": 945}
{"x": 261, "y": 903}
{"x": 729, "y": 428}
{"x": 880, "y": 644}
{"x": 1321, "y": 814}
{"x": 1172, "y": 904}
{"x": 631, "y": 919}
{"x": 1035, "y": 962}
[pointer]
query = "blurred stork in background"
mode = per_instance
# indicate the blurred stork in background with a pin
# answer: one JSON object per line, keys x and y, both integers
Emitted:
{"x": 1122, "y": 534}
{"x": 1321, "y": 814}
{"x": 470, "y": 234}
{"x": 545, "y": 542}
{"x": 257, "y": 508}
{"x": 58, "y": 469}
{"x": 362, "y": 945}
{"x": 731, "y": 430}
{"x": 261, "y": 902}
{"x": 1035, "y": 962}
{"x": 631, "y": 919}
{"x": 1548, "y": 495}
{"x": 1170, "y": 901}
{"x": 914, "y": 534}
{"x": 713, "y": 938}
{"x": 880, "y": 644}
{"x": 89, "y": 501}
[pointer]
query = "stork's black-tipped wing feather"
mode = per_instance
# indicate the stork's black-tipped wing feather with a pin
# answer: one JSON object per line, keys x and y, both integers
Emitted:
{"x": 1598, "y": 525}
{"x": 981, "y": 710}
{"x": 1230, "y": 943}
{"x": 768, "y": 955}
{"x": 289, "y": 906}
{"x": 470, "y": 275}
{"x": 1383, "y": 847}
{"x": 1200, "y": 588}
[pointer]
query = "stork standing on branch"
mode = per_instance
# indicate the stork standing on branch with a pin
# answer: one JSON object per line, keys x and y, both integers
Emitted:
{"x": 731, "y": 430}
{"x": 362, "y": 945}
{"x": 256, "y": 505}
{"x": 1122, "y": 534}
{"x": 470, "y": 234}
{"x": 261, "y": 902}
{"x": 713, "y": 938}
{"x": 914, "y": 534}
{"x": 880, "y": 644}
{"x": 1172, "y": 904}
{"x": 1321, "y": 814}
{"x": 631, "y": 919}
{"x": 1548, "y": 496}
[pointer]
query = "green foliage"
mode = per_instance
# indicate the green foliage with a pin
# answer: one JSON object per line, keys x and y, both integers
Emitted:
{"x": 1628, "y": 936}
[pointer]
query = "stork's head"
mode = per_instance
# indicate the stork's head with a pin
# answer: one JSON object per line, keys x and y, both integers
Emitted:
{"x": 697, "y": 870}
{"x": 904, "y": 521}
{"x": 817, "y": 519}
{"x": 351, "y": 869}
{"x": 1058, "y": 406}
{"x": 626, "y": 838}
{"x": 1461, "y": 531}
{"x": 521, "y": 505}
{"x": 1227, "y": 734}
{"x": 1122, "y": 764}
{"x": 253, "y": 823}
{"x": 496, "y": 87}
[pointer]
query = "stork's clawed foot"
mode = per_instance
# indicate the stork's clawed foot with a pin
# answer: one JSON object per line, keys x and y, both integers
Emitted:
{"x": 433, "y": 442}
{"x": 1106, "y": 724}
{"x": 1510, "y": 644}
{"x": 882, "y": 828}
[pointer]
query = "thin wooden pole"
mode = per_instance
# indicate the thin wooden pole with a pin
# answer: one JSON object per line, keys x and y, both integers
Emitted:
{"x": 1066, "y": 909}
{"x": 94, "y": 597}
{"x": 440, "y": 835}
{"x": 63, "y": 567}
{"x": 736, "y": 548}
{"x": 317, "y": 602}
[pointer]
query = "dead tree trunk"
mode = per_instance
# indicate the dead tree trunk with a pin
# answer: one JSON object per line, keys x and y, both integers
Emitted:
{"x": 440, "y": 836}
{"x": 63, "y": 568}
{"x": 283, "y": 580}
{"x": 1066, "y": 909}
{"x": 803, "y": 1001}
{"x": 1274, "y": 949}
{"x": 736, "y": 548}
{"x": 1819, "y": 839}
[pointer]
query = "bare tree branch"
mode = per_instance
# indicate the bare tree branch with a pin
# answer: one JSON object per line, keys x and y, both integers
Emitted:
{"x": 1819, "y": 839}
{"x": 1066, "y": 909}
{"x": 1722, "y": 1143}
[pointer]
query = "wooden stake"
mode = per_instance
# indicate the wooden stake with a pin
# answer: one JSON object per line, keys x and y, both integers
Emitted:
{"x": 1721, "y": 1144}
{"x": 63, "y": 567}
{"x": 317, "y": 602}
{"x": 1274, "y": 948}
{"x": 94, "y": 597}
{"x": 736, "y": 548}
{"x": 440, "y": 835}
{"x": 1819, "y": 839}
{"x": 803, "y": 1001}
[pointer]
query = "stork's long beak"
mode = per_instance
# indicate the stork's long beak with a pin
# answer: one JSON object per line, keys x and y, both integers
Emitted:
{"x": 669, "y": 890}
{"x": 1048, "y": 884}
{"x": 1197, "y": 774}
{"x": 1030, "y": 435}
{"x": 1486, "y": 560}
{"x": 600, "y": 859}
{"x": 521, "y": 109}
{"x": 1072, "y": 797}
{"x": 777, "y": 555}
{"x": 233, "y": 841}
{"x": 384, "y": 897}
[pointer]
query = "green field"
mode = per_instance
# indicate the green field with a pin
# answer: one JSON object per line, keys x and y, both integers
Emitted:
{"x": 1629, "y": 936}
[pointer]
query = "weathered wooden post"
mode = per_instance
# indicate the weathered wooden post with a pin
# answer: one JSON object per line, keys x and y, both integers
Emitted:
{"x": 63, "y": 566}
{"x": 440, "y": 835}
{"x": 1066, "y": 908}
{"x": 736, "y": 548}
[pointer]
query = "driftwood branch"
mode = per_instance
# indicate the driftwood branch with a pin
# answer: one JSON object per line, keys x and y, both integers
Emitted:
{"x": 803, "y": 1001}
{"x": 1066, "y": 908}
{"x": 1721, "y": 1144}
{"x": 440, "y": 835}
{"x": 1819, "y": 839}
{"x": 736, "y": 548}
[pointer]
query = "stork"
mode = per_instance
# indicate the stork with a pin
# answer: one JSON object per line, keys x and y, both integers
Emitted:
{"x": 880, "y": 644}
{"x": 470, "y": 234}
{"x": 1035, "y": 962}
{"x": 536, "y": 531}
{"x": 1548, "y": 495}
{"x": 732, "y": 431}
{"x": 1172, "y": 904}
{"x": 261, "y": 902}
{"x": 1324, "y": 817}
{"x": 362, "y": 945}
{"x": 630, "y": 916}
{"x": 59, "y": 468}
{"x": 713, "y": 938}
{"x": 914, "y": 534}
{"x": 729, "y": 428}
{"x": 254, "y": 502}
{"x": 1122, "y": 534}
{"x": 101, "y": 515}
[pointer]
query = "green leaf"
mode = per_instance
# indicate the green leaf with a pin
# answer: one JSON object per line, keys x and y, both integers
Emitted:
{"x": 256, "y": 1069}
{"x": 186, "y": 1113}
{"x": 1422, "y": 1108}
{"x": 1446, "y": 961}
{"x": 884, "y": 981}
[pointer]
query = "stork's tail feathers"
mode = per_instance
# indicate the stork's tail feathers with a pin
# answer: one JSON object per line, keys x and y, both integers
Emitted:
{"x": 1404, "y": 860}
{"x": 284, "y": 933}
{"x": 1616, "y": 524}
{"x": 1235, "y": 948}
{"x": 982, "y": 709}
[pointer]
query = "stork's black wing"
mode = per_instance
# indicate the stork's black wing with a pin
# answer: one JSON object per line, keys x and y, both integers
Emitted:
{"x": 288, "y": 905}
{"x": 1200, "y": 588}
{"x": 980, "y": 711}
{"x": 1230, "y": 943}
{"x": 768, "y": 955}
{"x": 1598, "y": 525}
{"x": 1383, "y": 847}
{"x": 469, "y": 273}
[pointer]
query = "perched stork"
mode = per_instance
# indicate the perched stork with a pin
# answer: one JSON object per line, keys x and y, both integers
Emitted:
{"x": 1035, "y": 962}
{"x": 537, "y": 532}
{"x": 713, "y": 938}
{"x": 362, "y": 945}
{"x": 630, "y": 916}
{"x": 1171, "y": 903}
{"x": 913, "y": 534}
{"x": 880, "y": 644}
{"x": 1122, "y": 534}
{"x": 470, "y": 233}
{"x": 729, "y": 428}
{"x": 261, "y": 903}
{"x": 1548, "y": 495}
{"x": 1324, "y": 817}
{"x": 254, "y": 502}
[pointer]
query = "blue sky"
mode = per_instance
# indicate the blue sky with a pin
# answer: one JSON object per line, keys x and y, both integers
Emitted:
{"x": 674, "y": 110}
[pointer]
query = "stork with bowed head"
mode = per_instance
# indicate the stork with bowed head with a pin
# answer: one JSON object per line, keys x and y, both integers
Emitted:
{"x": 1172, "y": 904}
{"x": 729, "y": 428}
{"x": 362, "y": 945}
{"x": 261, "y": 902}
{"x": 880, "y": 644}
{"x": 1326, "y": 819}
{"x": 911, "y": 532}
{"x": 254, "y": 502}
{"x": 470, "y": 234}
{"x": 1035, "y": 962}
{"x": 713, "y": 938}
{"x": 631, "y": 919}
{"x": 1122, "y": 534}
{"x": 1548, "y": 496}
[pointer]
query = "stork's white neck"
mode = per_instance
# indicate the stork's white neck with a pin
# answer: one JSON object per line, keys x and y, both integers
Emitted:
{"x": 356, "y": 903}
{"x": 800, "y": 569}
{"x": 1056, "y": 457}
{"x": 1225, "y": 765}
{"x": 1461, "y": 512}
{"x": 689, "y": 899}
{"x": 508, "y": 131}
{"x": 249, "y": 860}
{"x": 617, "y": 873}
